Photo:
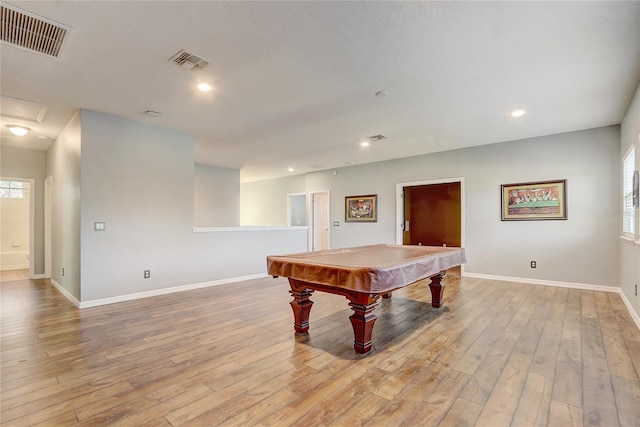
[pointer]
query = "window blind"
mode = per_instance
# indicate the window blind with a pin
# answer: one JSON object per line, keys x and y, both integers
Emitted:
{"x": 628, "y": 211}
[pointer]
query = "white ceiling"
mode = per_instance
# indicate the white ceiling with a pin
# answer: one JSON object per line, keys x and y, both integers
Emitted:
{"x": 295, "y": 81}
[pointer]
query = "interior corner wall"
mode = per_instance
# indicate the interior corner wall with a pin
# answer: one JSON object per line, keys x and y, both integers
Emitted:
{"x": 216, "y": 196}
{"x": 63, "y": 164}
{"x": 264, "y": 203}
{"x": 630, "y": 251}
{"x": 137, "y": 179}
{"x": 29, "y": 164}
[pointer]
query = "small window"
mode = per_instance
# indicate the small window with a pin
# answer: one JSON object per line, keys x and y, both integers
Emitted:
{"x": 12, "y": 189}
{"x": 628, "y": 210}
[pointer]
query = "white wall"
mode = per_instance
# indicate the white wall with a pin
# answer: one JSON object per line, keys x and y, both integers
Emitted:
{"x": 630, "y": 251}
{"x": 583, "y": 249}
{"x": 29, "y": 164}
{"x": 216, "y": 196}
{"x": 138, "y": 179}
{"x": 63, "y": 164}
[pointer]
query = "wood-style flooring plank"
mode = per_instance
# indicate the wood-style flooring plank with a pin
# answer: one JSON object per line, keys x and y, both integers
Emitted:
{"x": 497, "y": 353}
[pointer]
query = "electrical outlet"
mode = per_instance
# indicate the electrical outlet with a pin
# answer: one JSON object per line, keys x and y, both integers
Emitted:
{"x": 533, "y": 264}
{"x": 147, "y": 274}
{"x": 636, "y": 289}
{"x": 63, "y": 272}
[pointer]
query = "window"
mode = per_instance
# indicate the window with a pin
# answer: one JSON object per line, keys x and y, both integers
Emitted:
{"x": 628, "y": 210}
{"x": 12, "y": 190}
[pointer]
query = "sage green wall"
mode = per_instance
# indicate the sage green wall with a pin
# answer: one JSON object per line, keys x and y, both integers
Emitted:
{"x": 583, "y": 249}
{"x": 216, "y": 196}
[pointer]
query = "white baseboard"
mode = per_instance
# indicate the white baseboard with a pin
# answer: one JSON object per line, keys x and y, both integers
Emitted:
{"x": 66, "y": 293}
{"x": 14, "y": 267}
{"x": 634, "y": 315}
{"x": 598, "y": 288}
{"x": 130, "y": 297}
{"x": 157, "y": 292}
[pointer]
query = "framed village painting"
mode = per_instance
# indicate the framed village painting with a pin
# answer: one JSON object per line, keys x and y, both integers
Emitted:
{"x": 361, "y": 208}
{"x": 532, "y": 201}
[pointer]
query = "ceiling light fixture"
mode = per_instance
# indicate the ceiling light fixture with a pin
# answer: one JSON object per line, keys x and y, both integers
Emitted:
{"x": 291, "y": 169}
{"x": 18, "y": 130}
{"x": 517, "y": 113}
{"x": 204, "y": 87}
{"x": 365, "y": 144}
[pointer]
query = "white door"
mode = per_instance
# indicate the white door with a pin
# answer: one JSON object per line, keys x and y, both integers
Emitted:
{"x": 320, "y": 221}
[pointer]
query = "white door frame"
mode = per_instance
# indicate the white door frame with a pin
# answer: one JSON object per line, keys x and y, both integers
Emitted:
{"x": 311, "y": 217}
{"x": 400, "y": 206}
{"x": 48, "y": 209}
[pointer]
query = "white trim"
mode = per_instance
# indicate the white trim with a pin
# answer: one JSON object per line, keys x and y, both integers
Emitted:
{"x": 249, "y": 228}
{"x": 627, "y": 239}
{"x": 632, "y": 312}
{"x": 47, "y": 213}
{"x": 157, "y": 292}
{"x": 130, "y": 297}
{"x": 599, "y": 288}
{"x": 66, "y": 293}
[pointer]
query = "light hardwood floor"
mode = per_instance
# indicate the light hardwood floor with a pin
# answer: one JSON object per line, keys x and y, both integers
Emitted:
{"x": 497, "y": 354}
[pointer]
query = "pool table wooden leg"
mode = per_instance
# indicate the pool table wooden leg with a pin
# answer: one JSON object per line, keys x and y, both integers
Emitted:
{"x": 437, "y": 288}
{"x": 362, "y": 320}
{"x": 301, "y": 305}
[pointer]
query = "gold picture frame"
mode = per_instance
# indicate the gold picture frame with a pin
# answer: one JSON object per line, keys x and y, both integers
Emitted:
{"x": 361, "y": 208}
{"x": 534, "y": 201}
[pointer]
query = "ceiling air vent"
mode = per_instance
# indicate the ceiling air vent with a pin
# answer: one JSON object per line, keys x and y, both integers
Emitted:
{"x": 189, "y": 61}
{"x": 30, "y": 32}
{"x": 375, "y": 138}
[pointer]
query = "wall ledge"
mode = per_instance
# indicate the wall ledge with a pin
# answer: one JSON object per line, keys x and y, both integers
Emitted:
{"x": 249, "y": 228}
{"x": 628, "y": 240}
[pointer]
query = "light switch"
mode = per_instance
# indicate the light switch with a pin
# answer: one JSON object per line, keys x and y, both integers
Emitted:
{"x": 98, "y": 226}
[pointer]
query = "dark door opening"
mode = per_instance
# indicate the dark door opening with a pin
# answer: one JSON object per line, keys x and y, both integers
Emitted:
{"x": 432, "y": 215}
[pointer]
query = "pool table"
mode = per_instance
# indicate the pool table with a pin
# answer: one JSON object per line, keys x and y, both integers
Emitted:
{"x": 362, "y": 274}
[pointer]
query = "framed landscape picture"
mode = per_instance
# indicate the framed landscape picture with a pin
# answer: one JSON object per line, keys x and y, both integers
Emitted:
{"x": 361, "y": 208}
{"x": 532, "y": 201}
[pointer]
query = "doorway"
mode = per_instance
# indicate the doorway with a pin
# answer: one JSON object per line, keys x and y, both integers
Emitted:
{"x": 17, "y": 237}
{"x": 430, "y": 212}
{"x": 296, "y": 209}
{"x": 320, "y": 213}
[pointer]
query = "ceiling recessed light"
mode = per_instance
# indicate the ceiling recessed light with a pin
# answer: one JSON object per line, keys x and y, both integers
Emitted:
{"x": 365, "y": 144}
{"x": 18, "y": 130}
{"x": 291, "y": 169}
{"x": 204, "y": 87}
{"x": 517, "y": 113}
